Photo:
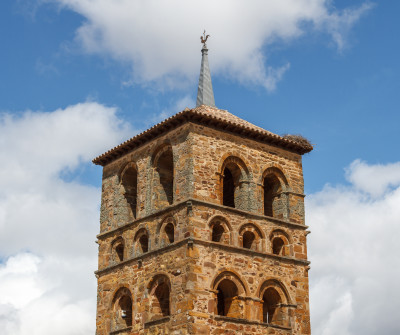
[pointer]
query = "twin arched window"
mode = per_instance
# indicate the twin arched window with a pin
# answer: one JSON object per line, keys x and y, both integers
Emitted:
{"x": 235, "y": 174}
{"x": 159, "y": 292}
{"x": 250, "y": 237}
{"x": 230, "y": 297}
{"x": 234, "y": 190}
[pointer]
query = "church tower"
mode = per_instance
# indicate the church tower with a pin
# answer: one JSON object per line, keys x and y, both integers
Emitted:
{"x": 202, "y": 228}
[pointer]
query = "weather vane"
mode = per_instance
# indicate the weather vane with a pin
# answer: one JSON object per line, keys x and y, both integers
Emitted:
{"x": 203, "y": 39}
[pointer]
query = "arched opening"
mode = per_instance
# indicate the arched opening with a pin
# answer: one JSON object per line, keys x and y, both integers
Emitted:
{"x": 217, "y": 232}
{"x": 169, "y": 232}
{"x": 163, "y": 185}
{"x": 249, "y": 240}
{"x": 227, "y": 299}
{"x": 143, "y": 244}
{"x": 272, "y": 193}
{"x": 228, "y": 189}
{"x": 118, "y": 250}
{"x": 233, "y": 192}
{"x": 129, "y": 182}
{"x": 275, "y": 202}
{"x": 159, "y": 297}
{"x": 280, "y": 243}
{"x": 251, "y": 237}
{"x": 278, "y": 246}
{"x": 271, "y": 305}
{"x": 125, "y": 307}
{"x": 162, "y": 297}
{"x": 122, "y": 309}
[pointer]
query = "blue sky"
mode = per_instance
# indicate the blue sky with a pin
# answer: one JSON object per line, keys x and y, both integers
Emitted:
{"x": 78, "y": 77}
{"x": 344, "y": 101}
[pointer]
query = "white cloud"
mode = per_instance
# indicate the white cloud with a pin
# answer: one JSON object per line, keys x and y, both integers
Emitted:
{"x": 373, "y": 179}
{"x": 48, "y": 225}
{"x": 354, "y": 253}
{"x": 161, "y": 38}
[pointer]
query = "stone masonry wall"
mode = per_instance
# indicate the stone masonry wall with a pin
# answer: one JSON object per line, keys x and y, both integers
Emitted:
{"x": 137, "y": 254}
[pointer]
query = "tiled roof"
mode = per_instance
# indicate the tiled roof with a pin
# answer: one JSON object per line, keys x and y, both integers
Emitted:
{"x": 208, "y": 116}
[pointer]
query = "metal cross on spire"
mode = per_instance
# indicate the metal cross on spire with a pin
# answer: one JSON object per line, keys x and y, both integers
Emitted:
{"x": 205, "y": 94}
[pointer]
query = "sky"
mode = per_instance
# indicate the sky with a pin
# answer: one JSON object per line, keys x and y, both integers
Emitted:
{"x": 78, "y": 77}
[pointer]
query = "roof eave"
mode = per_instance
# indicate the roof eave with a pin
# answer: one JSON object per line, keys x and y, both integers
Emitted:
{"x": 188, "y": 115}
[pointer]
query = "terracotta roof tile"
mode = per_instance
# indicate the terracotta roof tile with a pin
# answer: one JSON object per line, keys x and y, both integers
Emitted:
{"x": 209, "y": 116}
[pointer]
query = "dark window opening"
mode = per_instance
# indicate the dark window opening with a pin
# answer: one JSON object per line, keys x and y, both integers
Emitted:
{"x": 271, "y": 304}
{"x": 228, "y": 189}
{"x": 272, "y": 189}
{"x": 161, "y": 301}
{"x": 165, "y": 169}
{"x": 125, "y": 311}
{"x": 129, "y": 182}
{"x": 144, "y": 243}
{"x": 119, "y": 250}
{"x": 217, "y": 232}
{"x": 227, "y": 302}
{"x": 249, "y": 240}
{"x": 169, "y": 231}
{"x": 278, "y": 246}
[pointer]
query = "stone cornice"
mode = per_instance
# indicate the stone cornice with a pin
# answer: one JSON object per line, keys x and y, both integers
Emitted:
{"x": 190, "y": 242}
{"x": 189, "y": 204}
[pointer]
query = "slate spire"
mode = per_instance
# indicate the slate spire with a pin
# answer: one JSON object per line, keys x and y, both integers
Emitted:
{"x": 205, "y": 95}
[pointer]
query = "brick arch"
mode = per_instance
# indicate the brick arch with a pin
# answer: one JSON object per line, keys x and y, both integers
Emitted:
{"x": 275, "y": 300}
{"x": 235, "y": 158}
{"x": 159, "y": 293}
{"x": 232, "y": 275}
{"x": 227, "y": 235}
{"x": 139, "y": 241}
{"x": 121, "y": 308}
{"x": 259, "y": 236}
{"x": 163, "y": 237}
{"x": 229, "y": 294}
{"x": 276, "y": 283}
{"x": 163, "y": 176}
{"x": 286, "y": 248}
{"x": 274, "y": 185}
{"x": 279, "y": 171}
{"x": 115, "y": 250}
{"x": 158, "y": 151}
{"x": 233, "y": 184}
{"x": 126, "y": 166}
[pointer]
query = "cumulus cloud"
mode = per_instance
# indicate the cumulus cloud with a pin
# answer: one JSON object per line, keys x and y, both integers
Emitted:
{"x": 47, "y": 224}
{"x": 161, "y": 38}
{"x": 354, "y": 252}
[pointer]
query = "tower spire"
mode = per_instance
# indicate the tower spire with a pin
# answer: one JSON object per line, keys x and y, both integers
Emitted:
{"x": 205, "y": 95}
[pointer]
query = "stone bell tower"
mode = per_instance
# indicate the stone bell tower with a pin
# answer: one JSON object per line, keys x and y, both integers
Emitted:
{"x": 202, "y": 228}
